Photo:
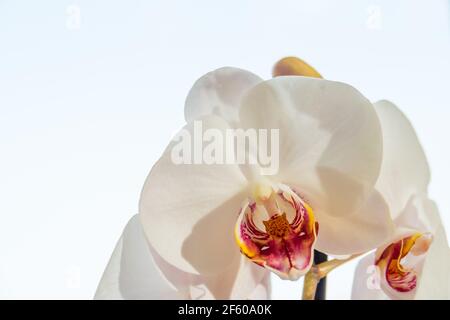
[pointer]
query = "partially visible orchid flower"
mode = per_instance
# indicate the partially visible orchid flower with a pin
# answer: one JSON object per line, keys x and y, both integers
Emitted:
{"x": 321, "y": 197}
{"x": 415, "y": 261}
{"x": 136, "y": 271}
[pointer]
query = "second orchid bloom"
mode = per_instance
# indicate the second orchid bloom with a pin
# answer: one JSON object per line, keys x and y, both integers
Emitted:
{"x": 415, "y": 261}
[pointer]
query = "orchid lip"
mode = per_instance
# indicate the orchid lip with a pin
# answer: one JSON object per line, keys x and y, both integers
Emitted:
{"x": 278, "y": 231}
{"x": 400, "y": 277}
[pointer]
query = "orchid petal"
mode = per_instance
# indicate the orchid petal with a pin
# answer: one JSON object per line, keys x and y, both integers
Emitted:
{"x": 435, "y": 276}
{"x": 420, "y": 214}
{"x": 366, "y": 283}
{"x": 242, "y": 280}
{"x": 132, "y": 272}
{"x": 219, "y": 92}
{"x": 364, "y": 230}
{"x": 188, "y": 210}
{"x": 250, "y": 282}
{"x": 404, "y": 170}
{"x": 136, "y": 271}
{"x": 330, "y": 138}
{"x": 262, "y": 290}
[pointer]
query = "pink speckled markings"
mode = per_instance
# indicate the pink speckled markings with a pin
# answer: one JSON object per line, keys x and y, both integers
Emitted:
{"x": 278, "y": 232}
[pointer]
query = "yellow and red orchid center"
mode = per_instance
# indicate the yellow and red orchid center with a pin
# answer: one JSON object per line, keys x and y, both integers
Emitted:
{"x": 400, "y": 275}
{"x": 276, "y": 229}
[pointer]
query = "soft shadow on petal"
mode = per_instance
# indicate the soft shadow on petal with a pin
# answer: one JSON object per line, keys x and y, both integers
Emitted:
{"x": 405, "y": 170}
{"x": 332, "y": 196}
{"x": 263, "y": 289}
{"x": 366, "y": 229}
{"x": 177, "y": 197}
{"x": 132, "y": 272}
{"x": 210, "y": 245}
{"x": 420, "y": 214}
{"x": 249, "y": 280}
{"x": 136, "y": 271}
{"x": 366, "y": 283}
{"x": 219, "y": 92}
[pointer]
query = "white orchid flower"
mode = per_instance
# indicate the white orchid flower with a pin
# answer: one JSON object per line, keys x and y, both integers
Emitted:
{"x": 330, "y": 151}
{"x": 415, "y": 262}
{"x": 136, "y": 271}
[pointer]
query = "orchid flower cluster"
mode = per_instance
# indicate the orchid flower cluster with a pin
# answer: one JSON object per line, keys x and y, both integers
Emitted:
{"x": 351, "y": 181}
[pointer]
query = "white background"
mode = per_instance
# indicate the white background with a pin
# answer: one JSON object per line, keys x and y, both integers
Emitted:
{"x": 88, "y": 105}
